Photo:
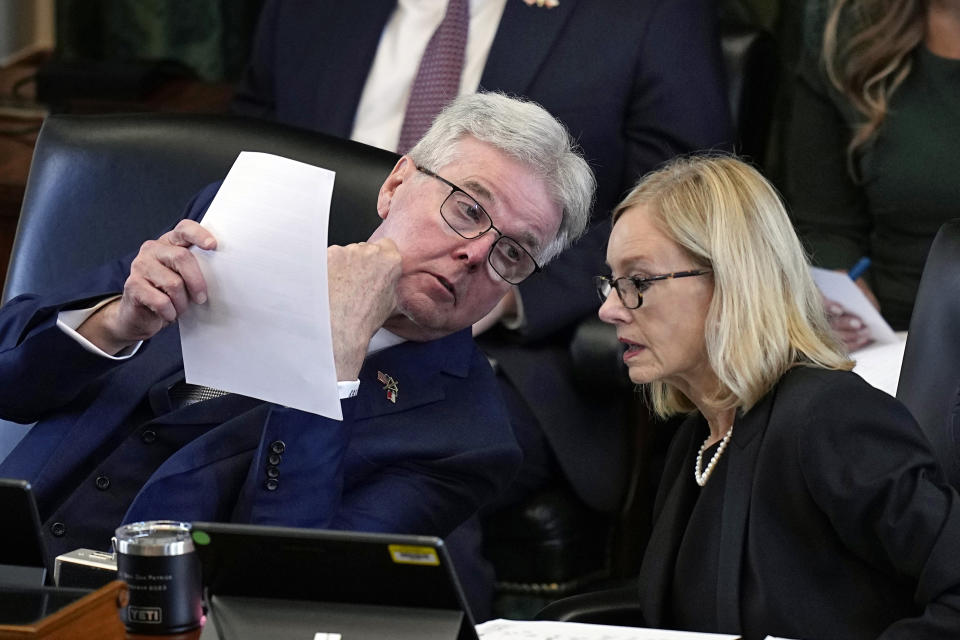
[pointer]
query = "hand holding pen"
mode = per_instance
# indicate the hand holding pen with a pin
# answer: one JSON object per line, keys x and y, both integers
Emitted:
{"x": 857, "y": 270}
{"x": 848, "y": 327}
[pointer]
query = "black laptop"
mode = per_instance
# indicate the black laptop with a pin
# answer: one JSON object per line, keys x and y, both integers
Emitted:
{"x": 24, "y": 600}
{"x": 22, "y": 551}
{"x": 306, "y": 583}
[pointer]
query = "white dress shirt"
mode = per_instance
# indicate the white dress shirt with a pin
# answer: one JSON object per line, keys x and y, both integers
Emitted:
{"x": 383, "y": 102}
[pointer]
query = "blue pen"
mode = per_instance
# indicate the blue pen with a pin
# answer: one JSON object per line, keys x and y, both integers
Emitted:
{"x": 860, "y": 268}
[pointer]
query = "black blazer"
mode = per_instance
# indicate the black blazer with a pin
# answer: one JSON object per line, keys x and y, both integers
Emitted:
{"x": 836, "y": 521}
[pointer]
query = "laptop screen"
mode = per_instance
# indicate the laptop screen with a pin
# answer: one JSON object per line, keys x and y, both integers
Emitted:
{"x": 389, "y": 571}
{"x": 22, "y": 554}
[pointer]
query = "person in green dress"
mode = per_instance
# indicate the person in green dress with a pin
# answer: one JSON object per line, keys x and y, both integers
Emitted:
{"x": 871, "y": 159}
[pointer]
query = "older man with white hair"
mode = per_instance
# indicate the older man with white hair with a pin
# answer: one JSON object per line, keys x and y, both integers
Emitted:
{"x": 493, "y": 191}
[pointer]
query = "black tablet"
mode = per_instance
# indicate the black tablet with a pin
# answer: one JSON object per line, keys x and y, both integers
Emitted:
{"x": 354, "y": 584}
{"x": 22, "y": 551}
{"x": 27, "y": 606}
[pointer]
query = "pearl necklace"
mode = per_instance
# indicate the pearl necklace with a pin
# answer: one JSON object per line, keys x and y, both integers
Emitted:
{"x": 702, "y": 478}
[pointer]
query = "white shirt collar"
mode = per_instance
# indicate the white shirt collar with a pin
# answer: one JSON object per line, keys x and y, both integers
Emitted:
{"x": 383, "y": 339}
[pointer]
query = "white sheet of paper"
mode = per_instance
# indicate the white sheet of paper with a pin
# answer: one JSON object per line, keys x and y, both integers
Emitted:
{"x": 547, "y": 630}
{"x": 265, "y": 330}
{"x": 879, "y": 364}
{"x": 840, "y": 288}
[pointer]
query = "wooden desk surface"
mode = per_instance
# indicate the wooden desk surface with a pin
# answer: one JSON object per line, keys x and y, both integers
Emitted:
{"x": 21, "y": 118}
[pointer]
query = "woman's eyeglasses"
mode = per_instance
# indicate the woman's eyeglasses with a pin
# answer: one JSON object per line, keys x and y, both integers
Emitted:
{"x": 631, "y": 288}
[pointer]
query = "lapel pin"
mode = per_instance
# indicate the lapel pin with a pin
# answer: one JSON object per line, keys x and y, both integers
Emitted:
{"x": 549, "y": 4}
{"x": 389, "y": 385}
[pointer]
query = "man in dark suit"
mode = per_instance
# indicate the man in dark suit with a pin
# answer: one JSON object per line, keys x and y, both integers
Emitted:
{"x": 635, "y": 81}
{"x": 424, "y": 441}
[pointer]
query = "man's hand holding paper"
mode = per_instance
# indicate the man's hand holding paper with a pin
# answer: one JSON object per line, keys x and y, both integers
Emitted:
{"x": 164, "y": 279}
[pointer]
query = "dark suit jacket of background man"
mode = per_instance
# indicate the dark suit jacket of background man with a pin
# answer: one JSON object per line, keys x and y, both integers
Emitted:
{"x": 109, "y": 447}
{"x": 635, "y": 81}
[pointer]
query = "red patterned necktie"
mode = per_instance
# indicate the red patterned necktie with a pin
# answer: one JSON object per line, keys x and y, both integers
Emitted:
{"x": 438, "y": 77}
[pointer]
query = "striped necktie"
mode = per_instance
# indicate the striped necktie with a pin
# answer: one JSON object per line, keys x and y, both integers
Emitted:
{"x": 438, "y": 77}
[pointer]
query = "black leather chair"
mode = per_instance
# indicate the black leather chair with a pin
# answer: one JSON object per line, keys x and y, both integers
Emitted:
{"x": 930, "y": 374}
{"x": 750, "y": 61}
{"x": 101, "y": 185}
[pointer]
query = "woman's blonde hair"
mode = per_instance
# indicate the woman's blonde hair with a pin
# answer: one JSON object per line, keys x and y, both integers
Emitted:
{"x": 867, "y": 46}
{"x": 767, "y": 314}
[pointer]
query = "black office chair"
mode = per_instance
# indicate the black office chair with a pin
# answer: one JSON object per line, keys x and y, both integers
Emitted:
{"x": 930, "y": 374}
{"x": 101, "y": 185}
{"x": 750, "y": 61}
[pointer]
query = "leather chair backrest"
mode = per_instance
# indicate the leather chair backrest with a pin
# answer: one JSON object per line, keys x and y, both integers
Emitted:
{"x": 750, "y": 61}
{"x": 101, "y": 185}
{"x": 930, "y": 375}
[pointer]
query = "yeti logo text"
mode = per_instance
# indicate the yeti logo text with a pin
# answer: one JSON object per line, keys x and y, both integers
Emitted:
{"x": 149, "y": 615}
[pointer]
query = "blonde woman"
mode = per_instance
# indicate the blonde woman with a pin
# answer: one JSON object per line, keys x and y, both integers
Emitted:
{"x": 871, "y": 157}
{"x": 796, "y": 500}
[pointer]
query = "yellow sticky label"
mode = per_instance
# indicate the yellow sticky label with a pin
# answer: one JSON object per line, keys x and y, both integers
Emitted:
{"x": 406, "y": 554}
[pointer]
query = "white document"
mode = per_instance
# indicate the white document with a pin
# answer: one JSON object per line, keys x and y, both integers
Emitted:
{"x": 840, "y": 288}
{"x": 264, "y": 331}
{"x": 547, "y": 630}
{"x": 879, "y": 364}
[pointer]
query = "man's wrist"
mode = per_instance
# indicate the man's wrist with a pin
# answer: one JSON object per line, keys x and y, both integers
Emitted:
{"x": 70, "y": 321}
{"x": 96, "y": 329}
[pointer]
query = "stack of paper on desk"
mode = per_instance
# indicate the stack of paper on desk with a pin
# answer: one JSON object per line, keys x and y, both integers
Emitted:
{"x": 547, "y": 630}
{"x": 879, "y": 364}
